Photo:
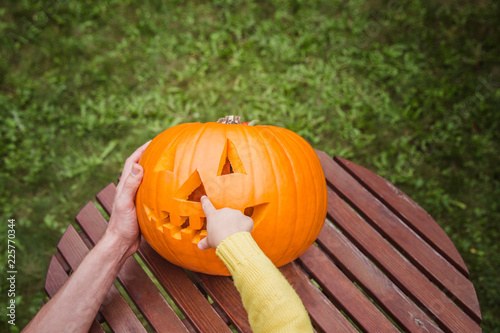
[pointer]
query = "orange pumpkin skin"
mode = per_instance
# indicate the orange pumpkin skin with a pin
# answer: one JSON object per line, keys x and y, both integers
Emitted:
{"x": 267, "y": 172}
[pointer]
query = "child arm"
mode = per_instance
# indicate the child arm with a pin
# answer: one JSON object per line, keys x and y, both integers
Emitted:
{"x": 271, "y": 302}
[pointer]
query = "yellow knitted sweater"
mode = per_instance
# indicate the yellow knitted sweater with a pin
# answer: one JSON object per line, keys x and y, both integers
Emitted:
{"x": 271, "y": 302}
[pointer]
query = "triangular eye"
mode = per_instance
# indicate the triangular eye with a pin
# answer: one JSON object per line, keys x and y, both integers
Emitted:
{"x": 192, "y": 189}
{"x": 230, "y": 161}
{"x": 166, "y": 162}
{"x": 227, "y": 168}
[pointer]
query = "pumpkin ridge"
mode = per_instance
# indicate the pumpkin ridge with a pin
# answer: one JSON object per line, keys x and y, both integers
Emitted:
{"x": 290, "y": 161}
{"x": 166, "y": 147}
{"x": 203, "y": 129}
{"x": 251, "y": 171}
{"x": 298, "y": 143}
{"x": 174, "y": 141}
{"x": 167, "y": 156}
{"x": 161, "y": 235}
{"x": 259, "y": 133}
{"x": 166, "y": 241}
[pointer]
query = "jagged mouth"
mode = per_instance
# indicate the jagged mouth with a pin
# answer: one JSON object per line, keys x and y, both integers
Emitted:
{"x": 193, "y": 228}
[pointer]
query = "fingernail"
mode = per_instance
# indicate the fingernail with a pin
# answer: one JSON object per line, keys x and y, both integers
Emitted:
{"x": 203, "y": 196}
{"x": 136, "y": 169}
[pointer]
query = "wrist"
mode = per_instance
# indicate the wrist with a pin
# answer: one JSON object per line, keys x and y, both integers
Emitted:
{"x": 115, "y": 245}
{"x": 236, "y": 249}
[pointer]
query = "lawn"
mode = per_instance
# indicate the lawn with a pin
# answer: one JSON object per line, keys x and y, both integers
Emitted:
{"x": 407, "y": 88}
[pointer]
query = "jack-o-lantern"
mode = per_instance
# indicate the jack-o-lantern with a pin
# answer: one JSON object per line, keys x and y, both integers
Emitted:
{"x": 269, "y": 173}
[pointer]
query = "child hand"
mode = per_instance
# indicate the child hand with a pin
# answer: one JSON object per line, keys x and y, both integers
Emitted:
{"x": 222, "y": 223}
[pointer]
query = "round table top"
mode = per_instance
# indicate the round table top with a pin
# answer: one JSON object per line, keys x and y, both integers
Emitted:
{"x": 380, "y": 264}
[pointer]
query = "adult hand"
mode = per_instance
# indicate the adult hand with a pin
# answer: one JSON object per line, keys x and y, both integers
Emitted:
{"x": 222, "y": 223}
{"x": 123, "y": 221}
{"x": 90, "y": 283}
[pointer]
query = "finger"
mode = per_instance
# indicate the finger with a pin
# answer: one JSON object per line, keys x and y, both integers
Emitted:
{"x": 132, "y": 159}
{"x": 138, "y": 152}
{"x": 207, "y": 206}
{"x": 203, "y": 244}
{"x": 130, "y": 186}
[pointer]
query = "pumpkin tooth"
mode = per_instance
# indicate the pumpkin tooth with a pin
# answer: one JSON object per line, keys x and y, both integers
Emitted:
{"x": 164, "y": 218}
{"x": 164, "y": 215}
{"x": 186, "y": 222}
{"x": 172, "y": 230}
{"x": 188, "y": 208}
{"x": 196, "y": 222}
{"x": 159, "y": 226}
{"x": 196, "y": 237}
{"x": 187, "y": 234}
{"x": 177, "y": 219}
{"x": 149, "y": 212}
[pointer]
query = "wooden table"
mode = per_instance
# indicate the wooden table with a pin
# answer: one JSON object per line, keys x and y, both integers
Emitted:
{"x": 380, "y": 264}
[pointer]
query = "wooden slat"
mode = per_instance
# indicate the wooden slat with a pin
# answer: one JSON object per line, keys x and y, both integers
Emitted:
{"x": 134, "y": 279}
{"x": 189, "y": 326}
{"x": 175, "y": 281}
{"x": 345, "y": 293}
{"x": 216, "y": 306}
{"x": 96, "y": 327}
{"x": 63, "y": 262}
{"x": 387, "y": 295}
{"x": 106, "y": 197}
{"x": 404, "y": 207}
{"x": 323, "y": 313}
{"x": 438, "y": 269}
{"x": 115, "y": 309}
{"x": 399, "y": 269}
{"x": 225, "y": 294}
{"x": 73, "y": 254}
{"x": 56, "y": 277}
{"x": 183, "y": 291}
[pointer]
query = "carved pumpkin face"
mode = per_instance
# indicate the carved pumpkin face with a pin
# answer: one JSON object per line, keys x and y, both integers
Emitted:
{"x": 269, "y": 173}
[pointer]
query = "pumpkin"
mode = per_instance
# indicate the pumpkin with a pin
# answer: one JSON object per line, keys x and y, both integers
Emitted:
{"x": 269, "y": 173}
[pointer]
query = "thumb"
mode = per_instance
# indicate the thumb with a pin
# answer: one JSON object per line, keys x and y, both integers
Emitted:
{"x": 133, "y": 181}
{"x": 203, "y": 244}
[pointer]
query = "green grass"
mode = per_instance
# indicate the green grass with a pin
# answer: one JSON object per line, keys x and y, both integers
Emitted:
{"x": 407, "y": 88}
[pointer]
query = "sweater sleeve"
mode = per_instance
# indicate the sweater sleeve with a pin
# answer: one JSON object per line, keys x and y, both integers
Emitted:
{"x": 271, "y": 302}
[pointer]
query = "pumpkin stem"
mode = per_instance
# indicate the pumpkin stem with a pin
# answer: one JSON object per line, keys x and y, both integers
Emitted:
{"x": 230, "y": 120}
